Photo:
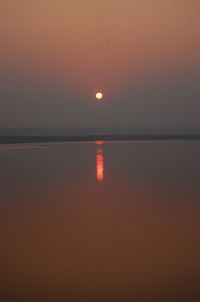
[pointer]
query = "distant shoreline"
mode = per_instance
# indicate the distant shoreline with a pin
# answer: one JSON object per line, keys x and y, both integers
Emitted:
{"x": 92, "y": 138}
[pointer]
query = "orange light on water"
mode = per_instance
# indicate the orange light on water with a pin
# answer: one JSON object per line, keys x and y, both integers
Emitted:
{"x": 100, "y": 165}
{"x": 99, "y": 143}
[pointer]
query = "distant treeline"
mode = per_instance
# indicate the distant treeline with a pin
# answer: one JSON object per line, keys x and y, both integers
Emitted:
{"x": 90, "y": 138}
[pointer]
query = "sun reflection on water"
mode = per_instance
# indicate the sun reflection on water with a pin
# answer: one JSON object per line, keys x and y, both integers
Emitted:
{"x": 99, "y": 162}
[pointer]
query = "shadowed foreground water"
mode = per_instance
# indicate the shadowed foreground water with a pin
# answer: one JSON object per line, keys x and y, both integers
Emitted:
{"x": 100, "y": 221}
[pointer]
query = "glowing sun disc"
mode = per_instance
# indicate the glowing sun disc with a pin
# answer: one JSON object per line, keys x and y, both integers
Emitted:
{"x": 99, "y": 96}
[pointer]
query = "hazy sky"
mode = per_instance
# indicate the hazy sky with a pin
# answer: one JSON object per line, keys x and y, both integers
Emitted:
{"x": 143, "y": 54}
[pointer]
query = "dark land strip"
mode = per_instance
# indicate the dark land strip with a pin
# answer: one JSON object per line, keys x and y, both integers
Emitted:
{"x": 91, "y": 138}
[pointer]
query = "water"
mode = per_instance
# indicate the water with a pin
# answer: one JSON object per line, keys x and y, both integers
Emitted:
{"x": 100, "y": 221}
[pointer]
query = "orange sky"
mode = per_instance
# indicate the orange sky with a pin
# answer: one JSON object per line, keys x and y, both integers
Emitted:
{"x": 98, "y": 41}
{"x": 99, "y": 44}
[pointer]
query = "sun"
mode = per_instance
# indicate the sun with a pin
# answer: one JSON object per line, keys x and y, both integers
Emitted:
{"x": 99, "y": 96}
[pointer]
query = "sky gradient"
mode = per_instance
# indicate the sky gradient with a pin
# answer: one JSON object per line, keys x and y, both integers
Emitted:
{"x": 143, "y": 55}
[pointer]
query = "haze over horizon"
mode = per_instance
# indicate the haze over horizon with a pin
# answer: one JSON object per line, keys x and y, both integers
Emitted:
{"x": 143, "y": 55}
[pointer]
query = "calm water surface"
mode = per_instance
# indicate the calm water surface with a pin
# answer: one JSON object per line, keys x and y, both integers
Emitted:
{"x": 100, "y": 221}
